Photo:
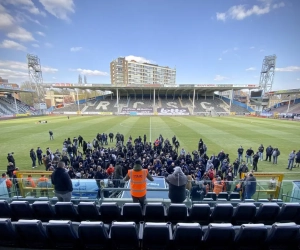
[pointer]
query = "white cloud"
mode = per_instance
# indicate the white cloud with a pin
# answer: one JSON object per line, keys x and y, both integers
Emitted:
{"x": 75, "y": 49}
{"x": 40, "y": 33}
{"x": 48, "y": 70}
{"x": 278, "y": 5}
{"x": 262, "y": 50}
{"x": 252, "y": 47}
{"x": 21, "y": 34}
{"x": 220, "y": 59}
{"x": 7, "y": 73}
{"x": 220, "y": 78}
{"x": 23, "y": 66}
{"x": 35, "y": 45}
{"x": 6, "y": 20}
{"x": 138, "y": 59}
{"x": 235, "y": 48}
{"x": 298, "y": 79}
{"x": 251, "y": 69}
{"x": 225, "y": 51}
{"x": 288, "y": 69}
{"x": 26, "y": 5}
{"x": 59, "y": 8}
{"x": 240, "y": 12}
{"x": 9, "y": 44}
{"x": 48, "y": 45}
{"x": 89, "y": 72}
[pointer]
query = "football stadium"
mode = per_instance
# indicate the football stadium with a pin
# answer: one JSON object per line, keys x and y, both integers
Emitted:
{"x": 144, "y": 159}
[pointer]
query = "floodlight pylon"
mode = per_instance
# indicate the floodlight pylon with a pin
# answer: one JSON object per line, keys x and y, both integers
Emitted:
{"x": 267, "y": 73}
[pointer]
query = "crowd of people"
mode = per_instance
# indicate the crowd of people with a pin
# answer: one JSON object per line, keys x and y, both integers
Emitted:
{"x": 94, "y": 159}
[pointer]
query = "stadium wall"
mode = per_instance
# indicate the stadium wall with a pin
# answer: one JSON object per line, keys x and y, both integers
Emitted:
{"x": 243, "y": 105}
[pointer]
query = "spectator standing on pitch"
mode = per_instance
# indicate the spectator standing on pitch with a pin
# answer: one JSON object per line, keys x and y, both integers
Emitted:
{"x": 261, "y": 150}
{"x": 80, "y": 139}
{"x": 291, "y": 159}
{"x": 33, "y": 158}
{"x": 39, "y": 154}
{"x": 240, "y": 153}
{"x": 62, "y": 183}
{"x": 249, "y": 154}
{"x": 138, "y": 182}
{"x": 275, "y": 155}
{"x": 297, "y": 159}
{"x": 51, "y": 135}
{"x": 269, "y": 151}
{"x": 255, "y": 161}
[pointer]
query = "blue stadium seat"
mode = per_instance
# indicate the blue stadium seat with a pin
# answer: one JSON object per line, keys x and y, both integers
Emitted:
{"x": 243, "y": 213}
{"x": 251, "y": 236}
{"x": 289, "y": 212}
{"x": 200, "y": 213}
{"x": 8, "y": 236}
{"x": 267, "y": 213}
{"x": 63, "y": 234}
{"x": 177, "y": 213}
{"x": 21, "y": 210}
{"x": 223, "y": 195}
{"x": 132, "y": 212}
{"x": 284, "y": 236}
{"x": 211, "y": 195}
{"x": 155, "y": 212}
{"x": 66, "y": 211}
{"x": 155, "y": 235}
{"x": 43, "y": 210}
{"x": 234, "y": 195}
{"x": 124, "y": 235}
{"x": 222, "y": 213}
{"x": 88, "y": 211}
{"x": 5, "y": 211}
{"x": 187, "y": 236}
{"x": 109, "y": 211}
{"x": 93, "y": 235}
{"x": 219, "y": 236}
{"x": 32, "y": 234}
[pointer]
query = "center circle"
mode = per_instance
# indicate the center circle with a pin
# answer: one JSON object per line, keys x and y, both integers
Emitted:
{"x": 127, "y": 125}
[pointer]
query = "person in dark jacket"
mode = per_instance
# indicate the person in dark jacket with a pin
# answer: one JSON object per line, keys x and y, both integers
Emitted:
{"x": 62, "y": 183}
{"x": 250, "y": 186}
{"x": 198, "y": 191}
{"x": 177, "y": 185}
{"x": 33, "y": 158}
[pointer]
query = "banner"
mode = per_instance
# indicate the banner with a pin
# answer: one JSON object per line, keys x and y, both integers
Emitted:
{"x": 70, "y": 113}
{"x": 173, "y": 111}
{"x": 20, "y": 115}
{"x": 105, "y": 113}
{"x": 138, "y": 111}
{"x": 6, "y": 116}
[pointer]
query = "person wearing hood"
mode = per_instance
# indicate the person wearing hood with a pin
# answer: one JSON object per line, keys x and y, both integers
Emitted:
{"x": 138, "y": 182}
{"x": 209, "y": 165}
{"x": 177, "y": 185}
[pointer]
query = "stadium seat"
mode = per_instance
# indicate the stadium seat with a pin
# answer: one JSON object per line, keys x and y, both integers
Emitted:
{"x": 43, "y": 211}
{"x": 124, "y": 235}
{"x": 177, "y": 213}
{"x": 88, "y": 211}
{"x": 251, "y": 236}
{"x": 211, "y": 195}
{"x": 109, "y": 211}
{"x": 8, "y": 236}
{"x": 219, "y": 236}
{"x": 267, "y": 213}
{"x": 249, "y": 200}
{"x": 187, "y": 236}
{"x": 93, "y": 235}
{"x": 21, "y": 210}
{"x": 66, "y": 211}
{"x": 63, "y": 233}
{"x": 223, "y": 195}
{"x": 243, "y": 213}
{"x": 234, "y": 195}
{"x": 155, "y": 235}
{"x": 5, "y": 211}
{"x": 200, "y": 213}
{"x": 222, "y": 213}
{"x": 132, "y": 212}
{"x": 32, "y": 234}
{"x": 283, "y": 236}
{"x": 263, "y": 200}
{"x": 289, "y": 212}
{"x": 155, "y": 212}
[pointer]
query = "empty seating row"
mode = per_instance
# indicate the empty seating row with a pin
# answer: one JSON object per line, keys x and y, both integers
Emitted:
{"x": 266, "y": 213}
{"x": 149, "y": 235}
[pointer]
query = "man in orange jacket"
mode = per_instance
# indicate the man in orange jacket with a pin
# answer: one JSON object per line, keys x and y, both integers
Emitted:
{"x": 138, "y": 182}
{"x": 8, "y": 183}
{"x": 30, "y": 183}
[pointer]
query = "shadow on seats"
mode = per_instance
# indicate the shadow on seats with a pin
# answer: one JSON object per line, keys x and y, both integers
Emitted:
{"x": 124, "y": 235}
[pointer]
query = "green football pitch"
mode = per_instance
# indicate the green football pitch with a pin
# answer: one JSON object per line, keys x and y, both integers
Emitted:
{"x": 227, "y": 133}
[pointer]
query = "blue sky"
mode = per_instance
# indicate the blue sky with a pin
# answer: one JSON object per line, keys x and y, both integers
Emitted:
{"x": 208, "y": 41}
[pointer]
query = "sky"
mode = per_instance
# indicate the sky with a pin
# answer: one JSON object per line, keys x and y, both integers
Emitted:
{"x": 207, "y": 41}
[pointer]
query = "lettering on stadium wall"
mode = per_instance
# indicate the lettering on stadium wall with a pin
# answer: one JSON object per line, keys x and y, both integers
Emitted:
{"x": 173, "y": 111}
{"x": 137, "y": 110}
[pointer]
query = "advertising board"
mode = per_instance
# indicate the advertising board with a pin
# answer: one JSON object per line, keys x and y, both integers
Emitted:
{"x": 173, "y": 111}
{"x": 138, "y": 111}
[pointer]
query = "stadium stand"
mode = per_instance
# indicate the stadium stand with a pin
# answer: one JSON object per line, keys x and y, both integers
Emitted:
{"x": 169, "y": 103}
{"x": 140, "y": 103}
{"x": 209, "y": 104}
{"x": 234, "y": 107}
{"x": 103, "y": 105}
{"x": 201, "y": 226}
{"x": 7, "y": 106}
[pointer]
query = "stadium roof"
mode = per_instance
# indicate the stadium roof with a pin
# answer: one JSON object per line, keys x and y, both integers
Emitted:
{"x": 284, "y": 92}
{"x": 161, "y": 89}
{"x": 9, "y": 89}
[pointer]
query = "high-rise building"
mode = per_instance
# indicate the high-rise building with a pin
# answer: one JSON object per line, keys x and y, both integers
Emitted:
{"x": 131, "y": 72}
